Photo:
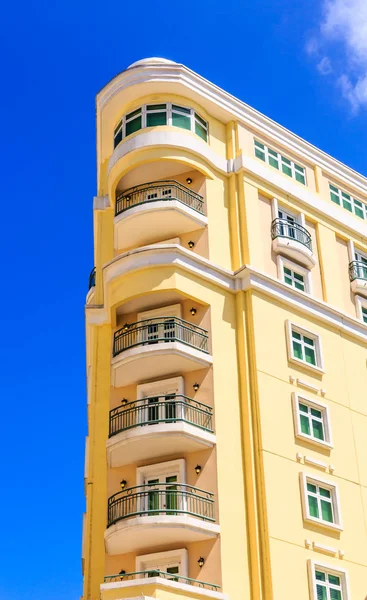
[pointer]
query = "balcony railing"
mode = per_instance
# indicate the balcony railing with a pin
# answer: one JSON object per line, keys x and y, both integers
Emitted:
{"x": 92, "y": 278}
{"x": 166, "y": 409}
{"x": 162, "y": 329}
{"x": 157, "y": 573}
{"x": 357, "y": 270}
{"x": 293, "y": 231}
{"x": 160, "y": 499}
{"x": 158, "y": 191}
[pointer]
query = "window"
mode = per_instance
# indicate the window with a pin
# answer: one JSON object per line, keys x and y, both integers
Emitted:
{"x": 320, "y": 502}
{"x": 328, "y": 583}
{"x": 311, "y": 420}
{"x": 174, "y": 562}
{"x": 361, "y": 268}
{"x": 304, "y": 347}
{"x": 364, "y": 314}
{"x": 153, "y": 115}
{"x": 348, "y": 202}
{"x": 293, "y": 275}
{"x": 280, "y": 162}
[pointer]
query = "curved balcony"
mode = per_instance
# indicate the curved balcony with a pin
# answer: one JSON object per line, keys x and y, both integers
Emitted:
{"x": 158, "y": 514}
{"x": 358, "y": 277}
{"x": 142, "y": 429}
{"x": 144, "y": 584}
{"x": 156, "y": 211}
{"x": 158, "y": 347}
{"x": 292, "y": 240}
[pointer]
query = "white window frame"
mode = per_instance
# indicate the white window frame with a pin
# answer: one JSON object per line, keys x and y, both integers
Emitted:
{"x": 335, "y": 501}
{"x": 163, "y": 469}
{"x": 361, "y": 303}
{"x": 313, "y": 566}
{"x": 323, "y": 408}
{"x": 279, "y": 158}
{"x": 319, "y": 367}
{"x": 149, "y": 562}
{"x": 192, "y": 115}
{"x": 306, "y": 273}
{"x": 354, "y": 202}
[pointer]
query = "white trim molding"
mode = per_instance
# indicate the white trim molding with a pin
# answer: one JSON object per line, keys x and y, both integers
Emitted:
{"x": 313, "y": 565}
{"x": 324, "y": 409}
{"x": 336, "y": 525}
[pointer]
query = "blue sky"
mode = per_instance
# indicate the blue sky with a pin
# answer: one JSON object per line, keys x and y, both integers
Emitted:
{"x": 301, "y": 63}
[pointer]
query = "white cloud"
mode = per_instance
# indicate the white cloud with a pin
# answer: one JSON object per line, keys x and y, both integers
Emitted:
{"x": 343, "y": 35}
{"x": 324, "y": 66}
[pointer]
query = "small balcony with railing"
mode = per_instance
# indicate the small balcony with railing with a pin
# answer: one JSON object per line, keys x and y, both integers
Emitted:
{"x": 358, "y": 276}
{"x": 141, "y": 429}
{"x": 157, "y": 514}
{"x": 155, "y": 583}
{"x": 156, "y": 211}
{"x": 155, "y": 347}
{"x": 292, "y": 240}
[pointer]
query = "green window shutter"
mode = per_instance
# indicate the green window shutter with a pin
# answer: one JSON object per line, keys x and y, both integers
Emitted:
{"x": 335, "y": 594}
{"x": 321, "y": 592}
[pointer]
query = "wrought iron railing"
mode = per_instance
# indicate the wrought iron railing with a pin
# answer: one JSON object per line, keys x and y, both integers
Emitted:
{"x": 162, "y": 409}
{"x": 158, "y": 191}
{"x": 160, "y": 499}
{"x": 293, "y": 231}
{"x": 92, "y": 278}
{"x": 159, "y": 330}
{"x": 157, "y": 573}
{"x": 357, "y": 270}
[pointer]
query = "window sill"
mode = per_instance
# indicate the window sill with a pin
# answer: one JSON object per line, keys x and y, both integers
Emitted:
{"x": 323, "y": 524}
{"x": 301, "y": 363}
{"x": 313, "y": 441}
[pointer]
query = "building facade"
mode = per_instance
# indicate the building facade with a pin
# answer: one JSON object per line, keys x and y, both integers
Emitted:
{"x": 226, "y": 328}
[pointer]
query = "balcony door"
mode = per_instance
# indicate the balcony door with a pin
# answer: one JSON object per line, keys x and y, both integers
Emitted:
{"x": 159, "y": 324}
{"x": 362, "y": 267}
{"x": 162, "y": 495}
{"x": 162, "y": 401}
{"x": 287, "y": 226}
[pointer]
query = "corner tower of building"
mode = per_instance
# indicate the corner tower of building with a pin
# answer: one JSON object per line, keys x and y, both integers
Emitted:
{"x": 226, "y": 337}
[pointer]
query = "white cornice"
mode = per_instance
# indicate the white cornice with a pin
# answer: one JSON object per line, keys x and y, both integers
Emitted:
{"x": 224, "y": 106}
{"x": 243, "y": 279}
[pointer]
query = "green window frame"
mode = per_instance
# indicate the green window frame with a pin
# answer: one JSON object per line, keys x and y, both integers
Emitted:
{"x": 328, "y": 585}
{"x": 153, "y": 115}
{"x": 312, "y": 421}
{"x": 320, "y": 502}
{"x": 348, "y": 202}
{"x": 280, "y": 162}
{"x": 304, "y": 348}
{"x": 294, "y": 279}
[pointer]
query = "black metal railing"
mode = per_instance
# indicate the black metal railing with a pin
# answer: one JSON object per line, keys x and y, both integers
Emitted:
{"x": 92, "y": 278}
{"x": 160, "y": 499}
{"x": 293, "y": 231}
{"x": 163, "y": 409}
{"x": 158, "y": 573}
{"x": 159, "y": 330}
{"x": 357, "y": 270}
{"x": 158, "y": 191}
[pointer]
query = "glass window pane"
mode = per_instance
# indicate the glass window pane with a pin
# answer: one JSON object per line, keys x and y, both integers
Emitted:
{"x": 273, "y": 162}
{"x": 297, "y": 350}
{"x": 133, "y": 126}
{"x": 182, "y": 109}
{"x": 326, "y": 510}
{"x": 325, "y": 493}
{"x": 321, "y": 592}
{"x": 305, "y": 425}
{"x": 287, "y": 280}
{"x": 287, "y": 170}
{"x": 335, "y": 198}
{"x": 201, "y": 131}
{"x": 201, "y": 120}
{"x": 181, "y": 121}
{"x": 320, "y": 575}
{"x": 296, "y": 335}
{"x": 154, "y": 119}
{"x": 303, "y": 408}
{"x": 311, "y": 488}
{"x": 316, "y": 413}
{"x": 335, "y": 594}
{"x": 117, "y": 139}
{"x": 259, "y": 154}
{"x": 359, "y": 212}
{"x": 259, "y": 145}
{"x": 156, "y": 107}
{"x": 312, "y": 507}
{"x": 310, "y": 356}
{"x": 133, "y": 114}
{"x": 334, "y": 580}
{"x": 300, "y": 177}
{"x": 318, "y": 430}
{"x": 333, "y": 188}
{"x": 309, "y": 341}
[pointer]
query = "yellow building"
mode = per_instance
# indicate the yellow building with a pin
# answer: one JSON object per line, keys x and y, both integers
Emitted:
{"x": 226, "y": 353}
